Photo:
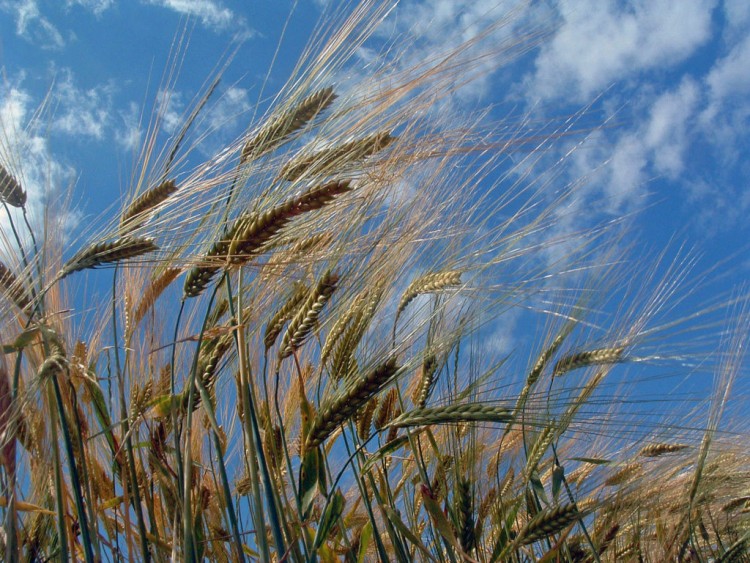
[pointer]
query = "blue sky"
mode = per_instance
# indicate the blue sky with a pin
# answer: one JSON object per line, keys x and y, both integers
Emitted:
{"x": 667, "y": 81}
{"x": 670, "y": 76}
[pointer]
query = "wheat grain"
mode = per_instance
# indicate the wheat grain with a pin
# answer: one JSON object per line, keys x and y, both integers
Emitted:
{"x": 656, "y": 450}
{"x": 285, "y": 313}
{"x": 426, "y": 380}
{"x": 153, "y": 291}
{"x": 12, "y": 287}
{"x": 551, "y": 521}
{"x": 625, "y": 474}
{"x": 472, "y": 412}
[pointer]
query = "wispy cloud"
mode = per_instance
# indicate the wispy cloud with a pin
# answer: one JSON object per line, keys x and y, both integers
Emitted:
{"x": 599, "y": 42}
{"x": 24, "y": 150}
{"x": 96, "y": 6}
{"x": 81, "y": 111}
{"x": 32, "y": 25}
{"x": 211, "y": 13}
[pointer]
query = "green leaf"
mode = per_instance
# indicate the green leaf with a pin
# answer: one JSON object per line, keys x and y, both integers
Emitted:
{"x": 593, "y": 460}
{"x": 329, "y": 518}
{"x": 558, "y": 474}
{"x": 438, "y": 518}
{"x": 389, "y": 448}
{"x": 21, "y": 341}
{"x": 364, "y": 541}
{"x": 538, "y": 488}
{"x": 404, "y": 529}
{"x": 308, "y": 480}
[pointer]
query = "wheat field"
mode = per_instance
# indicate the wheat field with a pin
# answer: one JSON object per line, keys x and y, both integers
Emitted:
{"x": 284, "y": 351}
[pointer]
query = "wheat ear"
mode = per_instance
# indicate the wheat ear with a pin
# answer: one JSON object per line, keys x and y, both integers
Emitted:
{"x": 304, "y": 321}
{"x": 153, "y": 291}
{"x": 250, "y": 231}
{"x": 348, "y": 403}
{"x": 470, "y": 412}
{"x": 107, "y": 253}
{"x": 11, "y": 286}
{"x": 426, "y": 380}
{"x": 332, "y": 159}
{"x": 588, "y": 358}
{"x": 11, "y": 191}
{"x": 466, "y": 532}
{"x": 281, "y": 127}
{"x": 257, "y": 232}
{"x": 284, "y": 314}
{"x": 656, "y": 450}
{"x": 428, "y": 283}
{"x": 200, "y": 276}
{"x": 135, "y": 215}
{"x": 549, "y": 522}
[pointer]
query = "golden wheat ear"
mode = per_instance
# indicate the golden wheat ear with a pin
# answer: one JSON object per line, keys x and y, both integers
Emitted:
{"x": 11, "y": 286}
{"x": 137, "y": 212}
{"x": 102, "y": 253}
{"x": 331, "y": 160}
{"x": 11, "y": 191}
{"x": 280, "y": 128}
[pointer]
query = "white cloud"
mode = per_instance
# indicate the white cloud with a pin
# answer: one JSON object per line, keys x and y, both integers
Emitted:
{"x": 233, "y": 104}
{"x": 25, "y": 152}
{"x": 96, "y": 6}
{"x": 32, "y": 25}
{"x": 737, "y": 14}
{"x": 81, "y": 112}
{"x": 730, "y": 75}
{"x": 604, "y": 41}
{"x": 171, "y": 108}
{"x": 210, "y": 13}
{"x": 433, "y": 31}
{"x": 130, "y": 135}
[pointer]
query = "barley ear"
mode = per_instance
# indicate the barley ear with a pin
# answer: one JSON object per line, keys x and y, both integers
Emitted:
{"x": 107, "y": 253}
{"x": 137, "y": 212}
{"x": 304, "y": 321}
{"x": 327, "y": 161}
{"x": 280, "y": 128}
{"x": 428, "y": 283}
{"x": 11, "y": 286}
{"x": 11, "y": 191}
